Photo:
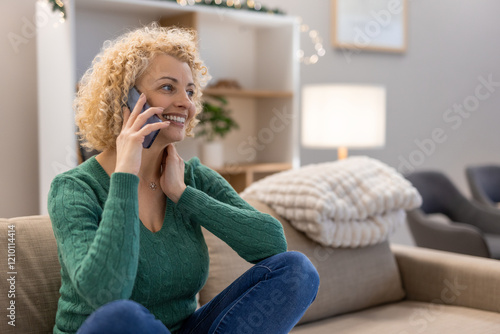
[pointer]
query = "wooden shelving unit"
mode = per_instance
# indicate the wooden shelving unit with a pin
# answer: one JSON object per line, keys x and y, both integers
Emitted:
{"x": 245, "y": 93}
{"x": 241, "y": 176}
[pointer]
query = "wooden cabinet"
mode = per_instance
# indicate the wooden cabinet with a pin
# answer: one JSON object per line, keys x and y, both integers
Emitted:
{"x": 257, "y": 50}
{"x": 241, "y": 176}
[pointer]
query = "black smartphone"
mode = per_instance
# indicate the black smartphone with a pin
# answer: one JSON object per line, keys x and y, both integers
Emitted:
{"x": 133, "y": 97}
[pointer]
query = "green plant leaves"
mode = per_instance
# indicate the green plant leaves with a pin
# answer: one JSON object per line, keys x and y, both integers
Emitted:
{"x": 215, "y": 119}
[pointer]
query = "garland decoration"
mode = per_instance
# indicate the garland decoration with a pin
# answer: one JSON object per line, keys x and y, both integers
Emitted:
{"x": 251, "y": 5}
{"x": 58, "y": 5}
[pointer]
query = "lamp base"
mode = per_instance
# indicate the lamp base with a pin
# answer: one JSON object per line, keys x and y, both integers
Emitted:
{"x": 342, "y": 152}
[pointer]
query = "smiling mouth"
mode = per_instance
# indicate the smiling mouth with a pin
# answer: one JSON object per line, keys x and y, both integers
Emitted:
{"x": 181, "y": 120}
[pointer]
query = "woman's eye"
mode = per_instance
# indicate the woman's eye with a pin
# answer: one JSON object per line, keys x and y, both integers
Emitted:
{"x": 168, "y": 88}
{"x": 190, "y": 93}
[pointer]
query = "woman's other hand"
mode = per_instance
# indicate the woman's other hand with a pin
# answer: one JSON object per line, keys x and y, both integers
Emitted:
{"x": 129, "y": 141}
{"x": 172, "y": 177}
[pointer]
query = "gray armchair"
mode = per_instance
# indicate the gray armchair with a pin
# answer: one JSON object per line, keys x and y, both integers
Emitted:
{"x": 472, "y": 229}
{"x": 484, "y": 184}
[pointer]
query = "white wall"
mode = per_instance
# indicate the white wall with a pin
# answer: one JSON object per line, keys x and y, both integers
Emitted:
{"x": 57, "y": 144}
{"x": 450, "y": 45}
{"x": 18, "y": 110}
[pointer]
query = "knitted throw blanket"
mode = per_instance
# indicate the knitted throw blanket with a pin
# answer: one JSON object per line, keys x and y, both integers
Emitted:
{"x": 353, "y": 202}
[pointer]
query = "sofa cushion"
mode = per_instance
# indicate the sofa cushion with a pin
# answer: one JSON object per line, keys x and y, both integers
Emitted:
{"x": 350, "y": 279}
{"x": 37, "y": 275}
{"x": 408, "y": 317}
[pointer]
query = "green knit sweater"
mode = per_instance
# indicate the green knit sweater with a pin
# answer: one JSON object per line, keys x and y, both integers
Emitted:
{"x": 106, "y": 253}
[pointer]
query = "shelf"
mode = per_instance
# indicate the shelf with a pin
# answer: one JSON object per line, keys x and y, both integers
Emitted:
{"x": 233, "y": 92}
{"x": 241, "y": 176}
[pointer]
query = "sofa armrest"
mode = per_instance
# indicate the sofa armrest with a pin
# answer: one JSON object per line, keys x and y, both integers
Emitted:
{"x": 447, "y": 278}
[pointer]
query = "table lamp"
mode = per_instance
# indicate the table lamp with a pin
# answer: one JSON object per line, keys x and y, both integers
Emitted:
{"x": 343, "y": 116}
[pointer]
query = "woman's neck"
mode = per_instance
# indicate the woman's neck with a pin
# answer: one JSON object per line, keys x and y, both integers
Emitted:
{"x": 151, "y": 164}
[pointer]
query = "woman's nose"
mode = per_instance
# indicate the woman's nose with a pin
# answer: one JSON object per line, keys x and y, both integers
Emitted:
{"x": 184, "y": 100}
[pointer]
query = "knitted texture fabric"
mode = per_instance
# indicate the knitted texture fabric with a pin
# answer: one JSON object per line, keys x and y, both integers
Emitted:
{"x": 353, "y": 202}
{"x": 106, "y": 253}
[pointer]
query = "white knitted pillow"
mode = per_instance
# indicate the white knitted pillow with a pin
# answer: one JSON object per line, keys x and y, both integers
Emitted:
{"x": 353, "y": 202}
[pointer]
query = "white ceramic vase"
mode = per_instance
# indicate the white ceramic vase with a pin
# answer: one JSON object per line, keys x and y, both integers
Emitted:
{"x": 212, "y": 154}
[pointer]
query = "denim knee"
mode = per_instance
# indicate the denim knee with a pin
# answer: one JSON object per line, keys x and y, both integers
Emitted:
{"x": 122, "y": 316}
{"x": 125, "y": 306}
{"x": 300, "y": 275}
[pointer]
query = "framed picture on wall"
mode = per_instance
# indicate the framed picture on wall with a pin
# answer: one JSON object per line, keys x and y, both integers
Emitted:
{"x": 379, "y": 25}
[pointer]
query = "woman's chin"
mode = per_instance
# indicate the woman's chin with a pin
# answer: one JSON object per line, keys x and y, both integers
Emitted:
{"x": 166, "y": 138}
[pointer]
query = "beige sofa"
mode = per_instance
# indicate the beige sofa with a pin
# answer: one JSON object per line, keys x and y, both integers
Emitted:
{"x": 378, "y": 289}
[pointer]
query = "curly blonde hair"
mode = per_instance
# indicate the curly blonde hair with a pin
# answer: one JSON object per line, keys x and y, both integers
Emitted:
{"x": 104, "y": 87}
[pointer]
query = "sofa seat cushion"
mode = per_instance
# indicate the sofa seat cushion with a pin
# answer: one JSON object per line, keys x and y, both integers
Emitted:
{"x": 408, "y": 317}
{"x": 350, "y": 279}
{"x": 37, "y": 275}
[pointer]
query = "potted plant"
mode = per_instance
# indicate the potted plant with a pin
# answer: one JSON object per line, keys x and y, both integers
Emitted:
{"x": 215, "y": 123}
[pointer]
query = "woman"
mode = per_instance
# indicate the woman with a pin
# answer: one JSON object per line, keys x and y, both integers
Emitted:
{"x": 128, "y": 222}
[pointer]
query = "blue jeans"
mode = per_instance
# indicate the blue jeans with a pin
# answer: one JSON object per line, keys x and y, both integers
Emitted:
{"x": 270, "y": 298}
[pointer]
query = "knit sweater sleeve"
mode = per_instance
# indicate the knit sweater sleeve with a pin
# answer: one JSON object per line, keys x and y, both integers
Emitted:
{"x": 98, "y": 247}
{"x": 212, "y": 203}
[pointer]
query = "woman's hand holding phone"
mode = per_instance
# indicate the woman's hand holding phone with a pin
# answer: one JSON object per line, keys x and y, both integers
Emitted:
{"x": 129, "y": 141}
{"x": 172, "y": 176}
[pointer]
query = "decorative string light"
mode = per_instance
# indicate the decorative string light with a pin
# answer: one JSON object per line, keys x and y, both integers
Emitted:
{"x": 318, "y": 45}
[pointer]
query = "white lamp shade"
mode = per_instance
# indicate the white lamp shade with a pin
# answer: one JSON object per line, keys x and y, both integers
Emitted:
{"x": 351, "y": 116}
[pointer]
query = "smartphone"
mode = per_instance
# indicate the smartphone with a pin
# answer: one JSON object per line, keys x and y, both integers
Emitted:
{"x": 133, "y": 97}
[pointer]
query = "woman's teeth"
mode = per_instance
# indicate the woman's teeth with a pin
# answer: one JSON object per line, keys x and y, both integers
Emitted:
{"x": 178, "y": 119}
